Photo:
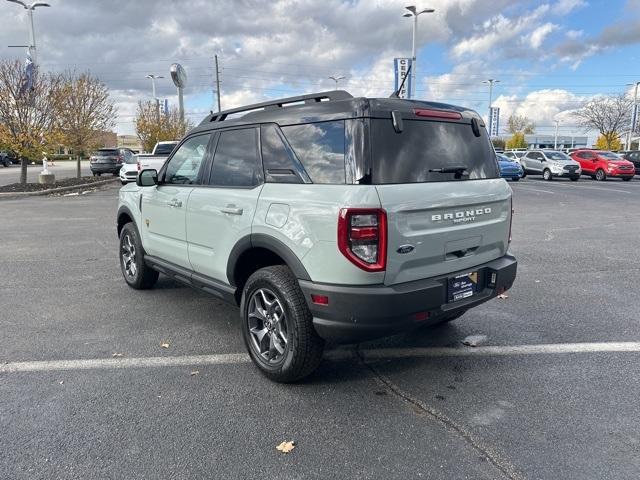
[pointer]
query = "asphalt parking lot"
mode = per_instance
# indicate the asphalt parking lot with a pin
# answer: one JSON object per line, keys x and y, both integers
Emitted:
{"x": 551, "y": 391}
{"x": 67, "y": 169}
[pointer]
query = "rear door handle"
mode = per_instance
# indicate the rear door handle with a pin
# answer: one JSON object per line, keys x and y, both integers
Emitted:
{"x": 175, "y": 203}
{"x": 231, "y": 210}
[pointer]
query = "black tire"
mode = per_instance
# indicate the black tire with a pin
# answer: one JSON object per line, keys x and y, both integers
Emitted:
{"x": 515, "y": 179}
{"x": 123, "y": 182}
{"x": 94, "y": 174}
{"x": 302, "y": 352}
{"x": 575, "y": 179}
{"x": 140, "y": 276}
{"x": 98, "y": 174}
{"x": 626, "y": 179}
{"x": 524, "y": 174}
{"x": 601, "y": 176}
{"x": 546, "y": 174}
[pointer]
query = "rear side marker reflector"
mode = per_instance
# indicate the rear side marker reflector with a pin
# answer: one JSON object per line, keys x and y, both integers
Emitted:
{"x": 427, "y": 112}
{"x": 421, "y": 316}
{"x": 320, "y": 299}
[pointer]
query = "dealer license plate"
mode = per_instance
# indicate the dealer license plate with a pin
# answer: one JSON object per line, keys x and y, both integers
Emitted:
{"x": 463, "y": 286}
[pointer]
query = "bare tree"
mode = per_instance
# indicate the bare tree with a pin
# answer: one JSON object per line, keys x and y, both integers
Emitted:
{"x": 520, "y": 124}
{"x": 27, "y": 112}
{"x": 151, "y": 129}
{"x": 610, "y": 115}
{"x": 84, "y": 111}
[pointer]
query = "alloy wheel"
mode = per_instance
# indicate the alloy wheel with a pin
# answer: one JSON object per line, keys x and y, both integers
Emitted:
{"x": 267, "y": 325}
{"x": 129, "y": 256}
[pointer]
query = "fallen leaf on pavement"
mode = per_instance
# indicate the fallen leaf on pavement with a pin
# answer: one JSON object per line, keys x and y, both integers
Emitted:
{"x": 117, "y": 355}
{"x": 61, "y": 382}
{"x": 164, "y": 345}
{"x": 502, "y": 296}
{"x": 194, "y": 373}
{"x": 286, "y": 447}
{"x": 474, "y": 340}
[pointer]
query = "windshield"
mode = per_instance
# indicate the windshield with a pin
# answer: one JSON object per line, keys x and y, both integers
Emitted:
{"x": 610, "y": 155}
{"x": 164, "y": 148}
{"x": 557, "y": 156}
{"x": 504, "y": 158}
{"x": 424, "y": 146}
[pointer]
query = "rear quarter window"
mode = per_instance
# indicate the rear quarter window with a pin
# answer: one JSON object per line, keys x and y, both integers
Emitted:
{"x": 423, "y": 145}
{"x": 320, "y": 148}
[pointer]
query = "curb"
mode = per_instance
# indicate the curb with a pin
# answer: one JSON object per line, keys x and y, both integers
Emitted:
{"x": 16, "y": 195}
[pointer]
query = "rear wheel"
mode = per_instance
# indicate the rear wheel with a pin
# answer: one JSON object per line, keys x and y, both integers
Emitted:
{"x": 601, "y": 175}
{"x": 135, "y": 272}
{"x": 575, "y": 179}
{"x": 546, "y": 174}
{"x": 515, "y": 179}
{"x": 277, "y": 326}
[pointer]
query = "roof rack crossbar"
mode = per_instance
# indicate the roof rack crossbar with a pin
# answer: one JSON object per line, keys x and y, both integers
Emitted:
{"x": 332, "y": 95}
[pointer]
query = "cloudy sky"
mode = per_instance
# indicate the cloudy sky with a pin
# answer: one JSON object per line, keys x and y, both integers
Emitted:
{"x": 549, "y": 56}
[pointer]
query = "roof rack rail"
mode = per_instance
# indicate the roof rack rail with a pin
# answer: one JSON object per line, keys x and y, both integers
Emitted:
{"x": 332, "y": 95}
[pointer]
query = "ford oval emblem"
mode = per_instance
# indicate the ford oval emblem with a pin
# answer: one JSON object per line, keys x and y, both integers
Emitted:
{"x": 405, "y": 249}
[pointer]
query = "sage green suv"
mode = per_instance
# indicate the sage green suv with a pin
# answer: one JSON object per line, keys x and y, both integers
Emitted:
{"x": 325, "y": 217}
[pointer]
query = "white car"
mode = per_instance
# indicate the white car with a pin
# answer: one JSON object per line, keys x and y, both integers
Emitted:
{"x": 129, "y": 170}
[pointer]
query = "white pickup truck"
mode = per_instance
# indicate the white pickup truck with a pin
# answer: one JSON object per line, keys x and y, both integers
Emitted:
{"x": 143, "y": 161}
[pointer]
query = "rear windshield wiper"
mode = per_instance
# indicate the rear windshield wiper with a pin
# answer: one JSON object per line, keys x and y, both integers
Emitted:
{"x": 458, "y": 170}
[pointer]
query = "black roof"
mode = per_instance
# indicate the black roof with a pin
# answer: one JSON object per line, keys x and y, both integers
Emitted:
{"x": 322, "y": 106}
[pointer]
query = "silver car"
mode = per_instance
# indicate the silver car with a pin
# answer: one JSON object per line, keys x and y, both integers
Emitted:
{"x": 550, "y": 164}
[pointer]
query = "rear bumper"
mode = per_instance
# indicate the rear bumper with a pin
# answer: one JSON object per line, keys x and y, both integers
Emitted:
{"x": 105, "y": 167}
{"x": 358, "y": 313}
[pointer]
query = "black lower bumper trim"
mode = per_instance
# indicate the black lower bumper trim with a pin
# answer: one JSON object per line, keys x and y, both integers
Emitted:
{"x": 358, "y": 313}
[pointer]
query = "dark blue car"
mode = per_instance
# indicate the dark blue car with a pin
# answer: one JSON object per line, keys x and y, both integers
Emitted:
{"x": 509, "y": 168}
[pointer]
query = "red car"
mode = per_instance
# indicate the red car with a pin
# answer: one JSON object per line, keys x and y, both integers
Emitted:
{"x": 600, "y": 164}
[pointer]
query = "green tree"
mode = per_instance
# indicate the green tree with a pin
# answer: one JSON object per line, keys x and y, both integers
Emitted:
{"x": 152, "y": 128}
{"x": 517, "y": 141}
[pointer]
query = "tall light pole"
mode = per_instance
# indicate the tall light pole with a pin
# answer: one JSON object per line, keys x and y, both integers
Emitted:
{"x": 32, "y": 33}
{"x": 491, "y": 82}
{"x": 414, "y": 13}
{"x": 555, "y": 143}
{"x": 337, "y": 78}
{"x": 153, "y": 88}
{"x": 633, "y": 114}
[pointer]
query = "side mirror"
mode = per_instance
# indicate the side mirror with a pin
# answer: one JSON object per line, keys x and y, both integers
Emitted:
{"x": 147, "y": 178}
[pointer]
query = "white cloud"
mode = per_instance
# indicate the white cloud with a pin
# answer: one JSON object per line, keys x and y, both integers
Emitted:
{"x": 563, "y": 7}
{"x": 538, "y": 36}
{"x": 574, "y": 34}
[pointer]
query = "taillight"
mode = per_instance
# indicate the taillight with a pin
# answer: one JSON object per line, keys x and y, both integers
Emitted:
{"x": 138, "y": 162}
{"x": 120, "y": 158}
{"x": 362, "y": 237}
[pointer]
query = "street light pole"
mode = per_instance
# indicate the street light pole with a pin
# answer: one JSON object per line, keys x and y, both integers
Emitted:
{"x": 32, "y": 33}
{"x": 414, "y": 13}
{"x": 555, "y": 143}
{"x": 633, "y": 114}
{"x": 337, "y": 78}
{"x": 153, "y": 89}
{"x": 491, "y": 81}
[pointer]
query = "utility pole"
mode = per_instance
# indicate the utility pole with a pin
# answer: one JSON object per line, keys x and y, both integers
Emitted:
{"x": 218, "y": 83}
{"x": 634, "y": 114}
{"x": 555, "y": 143}
{"x": 414, "y": 13}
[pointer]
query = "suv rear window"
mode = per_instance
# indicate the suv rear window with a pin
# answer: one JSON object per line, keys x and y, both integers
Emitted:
{"x": 424, "y": 145}
{"x": 105, "y": 152}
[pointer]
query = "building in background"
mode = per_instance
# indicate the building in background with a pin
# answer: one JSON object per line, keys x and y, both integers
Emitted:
{"x": 549, "y": 141}
{"x": 130, "y": 141}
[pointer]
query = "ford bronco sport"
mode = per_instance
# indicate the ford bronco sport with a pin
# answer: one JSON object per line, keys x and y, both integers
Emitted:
{"x": 325, "y": 218}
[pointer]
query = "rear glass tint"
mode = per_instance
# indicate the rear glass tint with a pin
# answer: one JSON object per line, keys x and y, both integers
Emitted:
{"x": 408, "y": 156}
{"x": 106, "y": 153}
{"x": 320, "y": 149}
{"x": 165, "y": 149}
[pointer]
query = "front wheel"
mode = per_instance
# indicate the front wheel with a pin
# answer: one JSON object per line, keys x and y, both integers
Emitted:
{"x": 600, "y": 175}
{"x": 575, "y": 179}
{"x": 135, "y": 272}
{"x": 547, "y": 175}
{"x": 515, "y": 179}
{"x": 277, "y": 326}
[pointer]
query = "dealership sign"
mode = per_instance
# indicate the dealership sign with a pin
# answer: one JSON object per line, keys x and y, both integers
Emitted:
{"x": 401, "y": 68}
{"x": 494, "y": 121}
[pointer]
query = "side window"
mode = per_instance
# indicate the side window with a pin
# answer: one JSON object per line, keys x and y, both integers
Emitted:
{"x": 280, "y": 163}
{"x": 235, "y": 163}
{"x": 320, "y": 148}
{"x": 184, "y": 166}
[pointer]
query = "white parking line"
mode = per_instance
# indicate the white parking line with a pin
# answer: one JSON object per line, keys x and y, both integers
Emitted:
{"x": 527, "y": 187}
{"x": 373, "y": 354}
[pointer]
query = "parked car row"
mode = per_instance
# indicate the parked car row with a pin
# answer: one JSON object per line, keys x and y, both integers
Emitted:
{"x": 598, "y": 164}
{"x": 155, "y": 160}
